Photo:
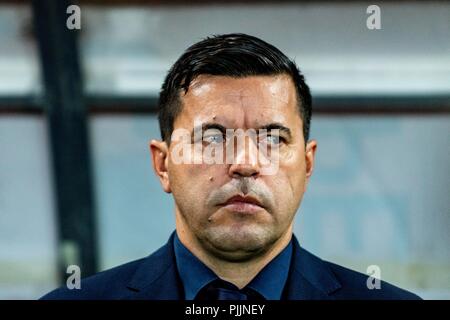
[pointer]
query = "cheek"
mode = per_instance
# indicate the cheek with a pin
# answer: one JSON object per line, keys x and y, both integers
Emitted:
{"x": 292, "y": 174}
{"x": 183, "y": 177}
{"x": 194, "y": 181}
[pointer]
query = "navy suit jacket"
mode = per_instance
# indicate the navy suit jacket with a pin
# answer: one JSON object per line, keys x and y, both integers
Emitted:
{"x": 156, "y": 278}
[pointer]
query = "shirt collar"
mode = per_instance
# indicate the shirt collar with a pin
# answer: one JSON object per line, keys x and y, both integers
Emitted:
{"x": 270, "y": 281}
{"x": 194, "y": 274}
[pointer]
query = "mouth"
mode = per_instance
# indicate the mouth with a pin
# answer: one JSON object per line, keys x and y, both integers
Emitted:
{"x": 243, "y": 204}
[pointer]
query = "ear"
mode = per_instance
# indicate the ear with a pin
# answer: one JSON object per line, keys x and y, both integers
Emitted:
{"x": 310, "y": 154}
{"x": 160, "y": 151}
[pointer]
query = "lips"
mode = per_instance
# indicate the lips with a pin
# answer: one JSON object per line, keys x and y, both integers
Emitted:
{"x": 243, "y": 204}
{"x": 241, "y": 199}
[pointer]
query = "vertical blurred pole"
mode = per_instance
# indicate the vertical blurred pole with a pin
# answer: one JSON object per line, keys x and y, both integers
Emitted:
{"x": 67, "y": 118}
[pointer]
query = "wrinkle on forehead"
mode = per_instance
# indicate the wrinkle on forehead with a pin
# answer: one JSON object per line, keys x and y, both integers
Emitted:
{"x": 276, "y": 87}
{"x": 241, "y": 121}
{"x": 265, "y": 98}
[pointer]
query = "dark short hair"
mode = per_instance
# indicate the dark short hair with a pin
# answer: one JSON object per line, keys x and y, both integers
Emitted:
{"x": 235, "y": 55}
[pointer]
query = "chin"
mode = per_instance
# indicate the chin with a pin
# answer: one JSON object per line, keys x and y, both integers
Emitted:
{"x": 238, "y": 242}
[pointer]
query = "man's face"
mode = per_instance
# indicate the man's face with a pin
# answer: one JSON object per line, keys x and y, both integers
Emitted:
{"x": 232, "y": 209}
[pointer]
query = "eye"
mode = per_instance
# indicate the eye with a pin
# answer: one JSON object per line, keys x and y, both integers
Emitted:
{"x": 213, "y": 136}
{"x": 271, "y": 139}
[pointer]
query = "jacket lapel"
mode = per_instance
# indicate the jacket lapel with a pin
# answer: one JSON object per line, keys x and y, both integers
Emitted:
{"x": 310, "y": 278}
{"x": 157, "y": 277}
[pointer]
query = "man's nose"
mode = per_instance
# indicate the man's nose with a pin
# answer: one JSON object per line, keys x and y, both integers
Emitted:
{"x": 245, "y": 163}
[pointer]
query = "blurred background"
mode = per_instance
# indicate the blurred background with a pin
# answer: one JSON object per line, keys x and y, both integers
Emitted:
{"x": 77, "y": 110}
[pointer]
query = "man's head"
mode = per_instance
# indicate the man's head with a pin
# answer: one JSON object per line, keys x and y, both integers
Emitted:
{"x": 236, "y": 82}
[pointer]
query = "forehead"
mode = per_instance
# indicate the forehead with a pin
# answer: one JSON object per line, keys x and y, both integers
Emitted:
{"x": 247, "y": 101}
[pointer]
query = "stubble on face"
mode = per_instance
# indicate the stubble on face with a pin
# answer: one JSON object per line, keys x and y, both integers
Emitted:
{"x": 200, "y": 190}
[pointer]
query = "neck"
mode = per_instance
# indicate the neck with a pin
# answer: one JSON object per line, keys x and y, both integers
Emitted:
{"x": 239, "y": 273}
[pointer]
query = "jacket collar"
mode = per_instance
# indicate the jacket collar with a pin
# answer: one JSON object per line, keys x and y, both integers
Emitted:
{"x": 157, "y": 277}
{"x": 310, "y": 278}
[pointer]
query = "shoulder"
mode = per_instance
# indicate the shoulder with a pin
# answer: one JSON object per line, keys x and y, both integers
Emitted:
{"x": 108, "y": 284}
{"x": 319, "y": 279}
{"x": 354, "y": 286}
{"x": 119, "y": 282}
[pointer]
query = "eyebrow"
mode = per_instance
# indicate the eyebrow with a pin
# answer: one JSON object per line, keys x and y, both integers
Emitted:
{"x": 268, "y": 127}
{"x": 277, "y": 126}
{"x": 209, "y": 125}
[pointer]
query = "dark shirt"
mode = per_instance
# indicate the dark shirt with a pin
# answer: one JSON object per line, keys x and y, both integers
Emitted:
{"x": 195, "y": 275}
